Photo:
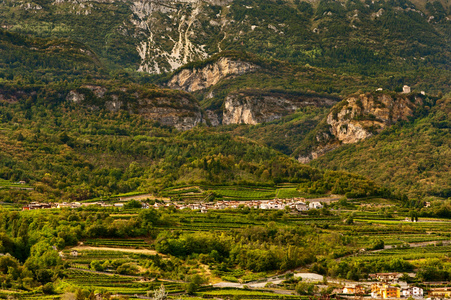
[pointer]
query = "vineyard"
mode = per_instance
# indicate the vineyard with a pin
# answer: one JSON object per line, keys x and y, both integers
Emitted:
{"x": 9, "y": 184}
{"x": 190, "y": 252}
{"x": 134, "y": 243}
{"x": 233, "y": 193}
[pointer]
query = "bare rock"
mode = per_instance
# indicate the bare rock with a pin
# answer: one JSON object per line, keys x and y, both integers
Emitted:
{"x": 202, "y": 78}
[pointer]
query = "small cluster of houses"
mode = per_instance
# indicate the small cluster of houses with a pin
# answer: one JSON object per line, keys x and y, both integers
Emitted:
{"x": 298, "y": 204}
{"x": 383, "y": 290}
{"x": 37, "y": 205}
{"x": 387, "y": 288}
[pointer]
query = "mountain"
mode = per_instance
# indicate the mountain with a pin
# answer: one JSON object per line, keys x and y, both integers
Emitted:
{"x": 369, "y": 39}
{"x": 299, "y": 81}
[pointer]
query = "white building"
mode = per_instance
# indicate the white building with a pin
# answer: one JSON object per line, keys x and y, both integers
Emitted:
{"x": 301, "y": 206}
{"x": 406, "y": 89}
{"x": 315, "y": 205}
{"x": 413, "y": 291}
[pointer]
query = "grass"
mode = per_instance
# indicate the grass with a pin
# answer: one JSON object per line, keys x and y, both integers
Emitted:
{"x": 287, "y": 193}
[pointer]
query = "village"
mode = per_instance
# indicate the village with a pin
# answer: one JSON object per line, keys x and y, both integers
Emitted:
{"x": 390, "y": 286}
{"x": 296, "y": 204}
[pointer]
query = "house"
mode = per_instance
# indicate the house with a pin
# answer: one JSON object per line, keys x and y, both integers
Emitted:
{"x": 354, "y": 289}
{"x": 220, "y": 205}
{"x": 299, "y": 199}
{"x": 385, "y": 291}
{"x": 444, "y": 292}
{"x": 315, "y": 205}
{"x": 301, "y": 206}
{"x": 118, "y": 204}
{"x": 413, "y": 291}
{"x": 22, "y": 182}
{"x": 336, "y": 291}
{"x": 63, "y": 205}
{"x": 74, "y": 253}
{"x": 385, "y": 276}
{"x": 75, "y": 205}
{"x": 406, "y": 89}
{"x": 379, "y": 89}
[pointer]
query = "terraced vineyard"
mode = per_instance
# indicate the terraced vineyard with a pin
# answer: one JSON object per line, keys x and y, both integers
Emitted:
{"x": 233, "y": 193}
{"x": 243, "y": 294}
{"x": 187, "y": 250}
{"x": 10, "y": 184}
{"x": 135, "y": 243}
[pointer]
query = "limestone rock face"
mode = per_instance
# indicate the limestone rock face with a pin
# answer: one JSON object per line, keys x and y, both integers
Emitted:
{"x": 365, "y": 115}
{"x": 360, "y": 117}
{"x": 215, "y": 120}
{"x": 251, "y": 108}
{"x": 75, "y": 97}
{"x": 180, "y": 110}
{"x": 181, "y": 114}
{"x": 317, "y": 153}
{"x": 202, "y": 78}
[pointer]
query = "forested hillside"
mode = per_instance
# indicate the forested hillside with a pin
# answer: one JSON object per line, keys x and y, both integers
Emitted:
{"x": 89, "y": 83}
{"x": 414, "y": 156}
{"x": 66, "y": 152}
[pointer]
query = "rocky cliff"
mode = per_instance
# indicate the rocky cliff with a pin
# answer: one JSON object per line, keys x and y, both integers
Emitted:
{"x": 356, "y": 118}
{"x": 195, "y": 79}
{"x": 169, "y": 108}
{"x": 253, "y": 107}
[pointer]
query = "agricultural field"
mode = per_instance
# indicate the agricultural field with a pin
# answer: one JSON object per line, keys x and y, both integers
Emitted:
{"x": 234, "y": 193}
{"x": 242, "y": 253}
{"x": 9, "y": 184}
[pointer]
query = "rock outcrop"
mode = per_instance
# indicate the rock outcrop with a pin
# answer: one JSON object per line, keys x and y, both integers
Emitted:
{"x": 357, "y": 118}
{"x": 179, "y": 110}
{"x": 192, "y": 80}
{"x": 253, "y": 108}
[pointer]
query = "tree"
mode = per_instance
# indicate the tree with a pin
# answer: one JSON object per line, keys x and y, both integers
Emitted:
{"x": 159, "y": 294}
{"x": 132, "y": 204}
{"x": 194, "y": 283}
{"x": 97, "y": 265}
{"x": 304, "y": 288}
